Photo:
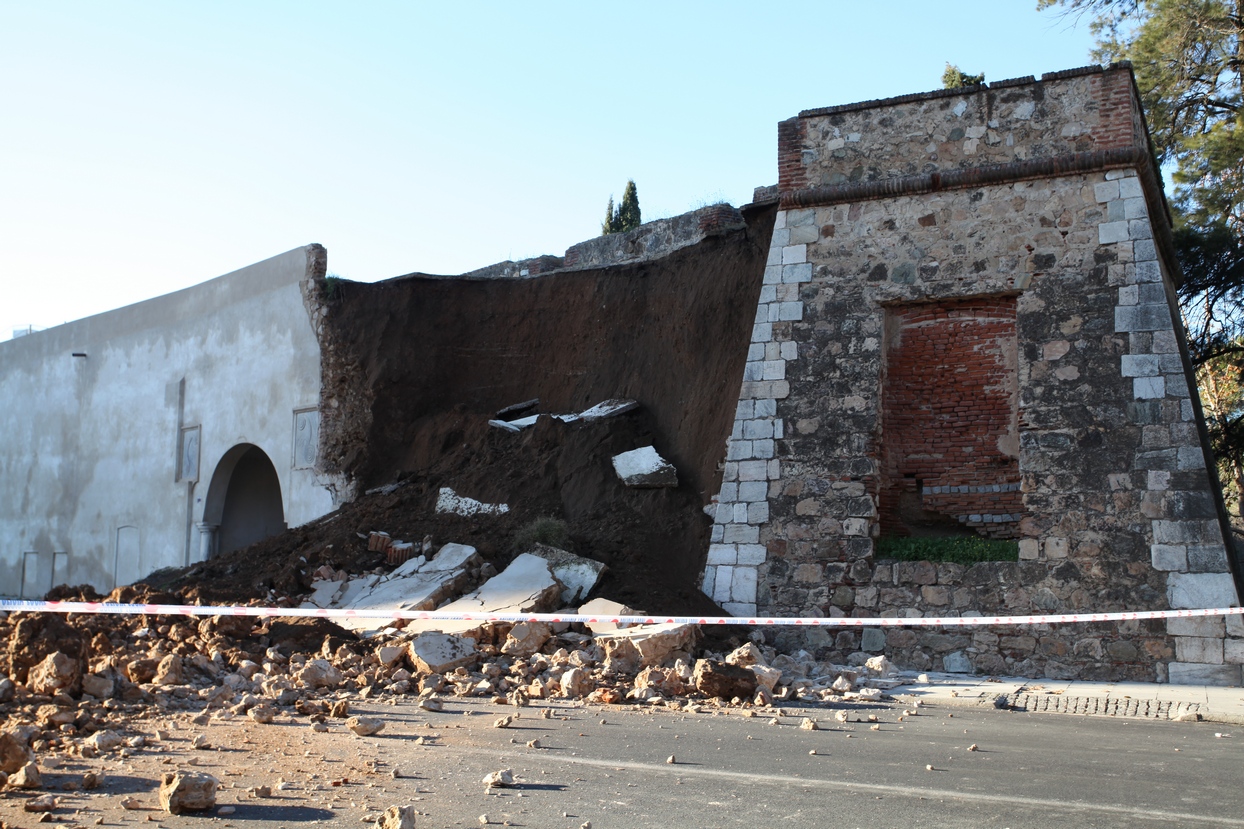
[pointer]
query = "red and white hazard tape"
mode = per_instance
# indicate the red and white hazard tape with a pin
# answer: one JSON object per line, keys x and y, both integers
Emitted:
{"x": 13, "y": 605}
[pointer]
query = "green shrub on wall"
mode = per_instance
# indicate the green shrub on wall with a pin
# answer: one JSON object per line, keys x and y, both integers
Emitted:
{"x": 961, "y": 549}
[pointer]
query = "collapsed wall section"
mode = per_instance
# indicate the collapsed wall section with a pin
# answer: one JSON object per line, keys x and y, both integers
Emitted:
{"x": 409, "y": 362}
{"x": 1040, "y": 194}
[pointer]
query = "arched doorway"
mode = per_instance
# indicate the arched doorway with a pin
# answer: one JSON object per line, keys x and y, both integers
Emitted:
{"x": 244, "y": 499}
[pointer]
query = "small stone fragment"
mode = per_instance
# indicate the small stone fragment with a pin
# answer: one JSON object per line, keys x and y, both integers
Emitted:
{"x": 365, "y": 726}
{"x": 131, "y": 803}
{"x": 226, "y": 810}
{"x": 503, "y": 722}
{"x": 27, "y": 777}
{"x": 812, "y": 752}
{"x": 105, "y": 740}
{"x": 262, "y": 714}
{"x": 431, "y": 704}
{"x": 319, "y": 727}
{"x": 929, "y": 768}
{"x": 261, "y": 791}
{"x": 671, "y": 760}
{"x": 92, "y": 780}
{"x": 42, "y": 803}
{"x": 874, "y": 727}
{"x": 499, "y": 779}
{"x": 973, "y": 747}
{"x": 187, "y": 791}
{"x": 533, "y": 744}
{"x": 397, "y": 817}
{"x": 200, "y": 741}
{"x": 809, "y": 724}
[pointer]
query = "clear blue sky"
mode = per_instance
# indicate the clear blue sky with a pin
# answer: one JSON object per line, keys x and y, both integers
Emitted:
{"x": 147, "y": 146}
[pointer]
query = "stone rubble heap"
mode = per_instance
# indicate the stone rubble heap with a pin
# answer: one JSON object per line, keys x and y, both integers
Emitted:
{"x": 76, "y": 685}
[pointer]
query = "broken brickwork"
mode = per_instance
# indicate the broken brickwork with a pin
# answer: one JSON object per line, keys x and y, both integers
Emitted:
{"x": 1008, "y": 246}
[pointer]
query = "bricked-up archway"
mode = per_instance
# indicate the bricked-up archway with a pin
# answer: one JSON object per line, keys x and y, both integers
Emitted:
{"x": 950, "y": 426}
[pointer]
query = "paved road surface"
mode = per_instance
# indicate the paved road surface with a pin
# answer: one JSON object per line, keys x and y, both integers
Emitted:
{"x": 1029, "y": 770}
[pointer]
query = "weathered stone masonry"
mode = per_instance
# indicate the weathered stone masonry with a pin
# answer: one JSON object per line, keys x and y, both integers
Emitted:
{"x": 1005, "y": 246}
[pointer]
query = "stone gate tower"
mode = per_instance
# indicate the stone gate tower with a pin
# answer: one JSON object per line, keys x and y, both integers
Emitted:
{"x": 968, "y": 321}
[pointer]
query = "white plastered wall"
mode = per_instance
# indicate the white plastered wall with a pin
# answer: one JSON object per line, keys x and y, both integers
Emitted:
{"x": 91, "y": 489}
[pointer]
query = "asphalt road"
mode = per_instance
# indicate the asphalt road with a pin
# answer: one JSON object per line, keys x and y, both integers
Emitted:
{"x": 608, "y": 766}
{"x": 1028, "y": 770}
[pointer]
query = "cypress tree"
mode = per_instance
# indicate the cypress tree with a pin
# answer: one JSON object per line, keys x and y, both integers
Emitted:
{"x": 610, "y": 224}
{"x": 628, "y": 212}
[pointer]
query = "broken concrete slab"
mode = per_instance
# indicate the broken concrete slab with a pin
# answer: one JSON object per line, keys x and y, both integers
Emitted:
{"x": 449, "y": 501}
{"x": 418, "y": 584}
{"x": 526, "y": 586}
{"x": 642, "y": 646}
{"x": 644, "y": 468}
{"x": 606, "y": 609}
{"x": 609, "y": 408}
{"x": 578, "y": 575}
{"x": 438, "y": 653}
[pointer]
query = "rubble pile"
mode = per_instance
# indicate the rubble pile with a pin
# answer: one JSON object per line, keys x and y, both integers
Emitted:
{"x": 79, "y": 686}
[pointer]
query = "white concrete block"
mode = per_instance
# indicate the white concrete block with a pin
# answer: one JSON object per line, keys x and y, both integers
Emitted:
{"x": 752, "y": 491}
{"x": 743, "y": 584}
{"x": 1141, "y": 365}
{"x": 752, "y": 554}
{"x": 741, "y": 534}
{"x": 1106, "y": 191}
{"x": 721, "y": 587}
{"x": 1135, "y": 209}
{"x": 1108, "y": 233}
{"x": 758, "y": 512}
{"x": 773, "y": 370}
{"x": 722, "y": 554}
{"x": 794, "y": 254}
{"x": 1205, "y": 626}
{"x": 1148, "y": 388}
{"x": 1201, "y": 590}
{"x": 1172, "y": 557}
{"x": 1203, "y": 649}
{"x": 754, "y": 429}
{"x": 789, "y": 350}
{"x": 797, "y": 273}
{"x": 790, "y": 311}
{"x": 1129, "y": 188}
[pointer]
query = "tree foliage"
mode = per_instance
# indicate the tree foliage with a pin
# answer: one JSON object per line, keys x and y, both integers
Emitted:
{"x": 953, "y": 78}
{"x": 625, "y": 216}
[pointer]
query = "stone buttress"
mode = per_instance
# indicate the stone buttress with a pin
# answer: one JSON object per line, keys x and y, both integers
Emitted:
{"x": 968, "y": 322}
